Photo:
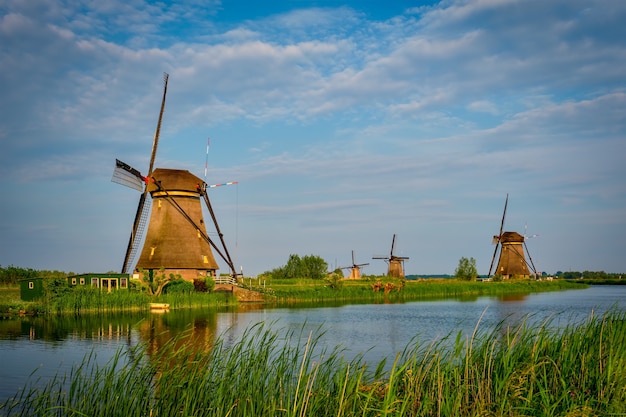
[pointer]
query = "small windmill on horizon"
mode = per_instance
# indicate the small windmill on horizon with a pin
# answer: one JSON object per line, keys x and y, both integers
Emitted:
{"x": 512, "y": 260}
{"x": 176, "y": 240}
{"x": 396, "y": 263}
{"x": 355, "y": 269}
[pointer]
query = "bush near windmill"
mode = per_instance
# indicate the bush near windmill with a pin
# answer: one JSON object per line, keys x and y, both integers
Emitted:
{"x": 466, "y": 271}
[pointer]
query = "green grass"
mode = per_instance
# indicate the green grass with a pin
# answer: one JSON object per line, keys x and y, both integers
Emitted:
{"x": 90, "y": 300}
{"x": 293, "y": 291}
{"x": 579, "y": 370}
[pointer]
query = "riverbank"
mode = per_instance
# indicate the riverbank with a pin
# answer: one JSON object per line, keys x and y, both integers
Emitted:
{"x": 386, "y": 289}
{"x": 383, "y": 289}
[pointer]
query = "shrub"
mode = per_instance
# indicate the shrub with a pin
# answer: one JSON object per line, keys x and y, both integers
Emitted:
{"x": 466, "y": 270}
{"x": 179, "y": 286}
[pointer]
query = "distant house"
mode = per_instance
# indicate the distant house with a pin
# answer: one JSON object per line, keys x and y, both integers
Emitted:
{"x": 108, "y": 282}
{"x": 31, "y": 288}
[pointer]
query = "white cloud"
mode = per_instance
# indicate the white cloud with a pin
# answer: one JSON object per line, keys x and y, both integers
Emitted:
{"x": 420, "y": 120}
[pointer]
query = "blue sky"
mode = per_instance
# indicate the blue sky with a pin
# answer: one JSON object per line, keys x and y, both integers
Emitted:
{"x": 344, "y": 122}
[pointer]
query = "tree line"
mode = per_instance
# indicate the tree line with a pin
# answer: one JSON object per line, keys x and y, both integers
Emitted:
{"x": 11, "y": 275}
{"x": 308, "y": 266}
{"x": 600, "y": 275}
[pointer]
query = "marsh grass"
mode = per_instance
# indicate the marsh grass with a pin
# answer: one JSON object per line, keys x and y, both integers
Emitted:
{"x": 539, "y": 370}
{"x": 294, "y": 291}
{"x": 82, "y": 300}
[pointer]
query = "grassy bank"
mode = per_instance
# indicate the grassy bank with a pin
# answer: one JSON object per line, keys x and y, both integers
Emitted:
{"x": 577, "y": 371}
{"x": 91, "y": 300}
{"x": 394, "y": 290}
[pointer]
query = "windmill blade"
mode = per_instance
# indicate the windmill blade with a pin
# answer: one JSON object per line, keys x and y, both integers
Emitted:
{"x": 506, "y": 203}
{"x": 532, "y": 264}
{"x": 497, "y": 239}
{"x": 493, "y": 258}
{"x": 155, "y": 143}
{"x": 526, "y": 236}
{"x": 220, "y": 185}
{"x": 393, "y": 244}
{"x": 141, "y": 218}
{"x": 128, "y": 176}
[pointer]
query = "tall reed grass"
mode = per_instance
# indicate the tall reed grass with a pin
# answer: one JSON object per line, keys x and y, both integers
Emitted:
{"x": 538, "y": 370}
{"x": 362, "y": 290}
{"x": 90, "y": 300}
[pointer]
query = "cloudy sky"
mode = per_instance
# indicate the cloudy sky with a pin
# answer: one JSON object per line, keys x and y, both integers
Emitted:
{"x": 344, "y": 122}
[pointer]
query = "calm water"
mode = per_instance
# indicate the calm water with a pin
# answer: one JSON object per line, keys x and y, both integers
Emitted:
{"x": 54, "y": 345}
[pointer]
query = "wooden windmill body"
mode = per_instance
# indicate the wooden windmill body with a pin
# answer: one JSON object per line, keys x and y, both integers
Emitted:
{"x": 395, "y": 263}
{"x": 176, "y": 241}
{"x": 512, "y": 260}
{"x": 173, "y": 242}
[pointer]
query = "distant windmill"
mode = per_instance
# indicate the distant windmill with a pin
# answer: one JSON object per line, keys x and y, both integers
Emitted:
{"x": 396, "y": 263}
{"x": 355, "y": 269}
{"x": 512, "y": 261}
{"x": 176, "y": 239}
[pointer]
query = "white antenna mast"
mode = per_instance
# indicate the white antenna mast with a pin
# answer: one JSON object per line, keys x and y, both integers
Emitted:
{"x": 206, "y": 162}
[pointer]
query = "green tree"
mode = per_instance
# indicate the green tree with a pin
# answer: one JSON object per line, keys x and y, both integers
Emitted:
{"x": 466, "y": 270}
{"x": 309, "y": 266}
{"x": 154, "y": 282}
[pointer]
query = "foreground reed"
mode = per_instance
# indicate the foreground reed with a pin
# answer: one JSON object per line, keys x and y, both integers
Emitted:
{"x": 579, "y": 370}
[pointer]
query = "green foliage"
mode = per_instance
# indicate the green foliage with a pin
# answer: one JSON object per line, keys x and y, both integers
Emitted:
{"x": 204, "y": 284}
{"x": 11, "y": 275}
{"x": 154, "y": 281}
{"x": 308, "y": 267}
{"x": 55, "y": 287}
{"x": 334, "y": 280}
{"x": 598, "y": 275}
{"x": 199, "y": 285}
{"x": 466, "y": 271}
{"x": 178, "y": 286}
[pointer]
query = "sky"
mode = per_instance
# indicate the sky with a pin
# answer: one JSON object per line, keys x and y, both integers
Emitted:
{"x": 343, "y": 122}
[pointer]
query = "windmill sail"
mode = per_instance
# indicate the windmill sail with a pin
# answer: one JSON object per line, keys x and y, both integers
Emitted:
{"x": 128, "y": 176}
{"x": 497, "y": 239}
{"x": 135, "y": 236}
{"x": 143, "y": 214}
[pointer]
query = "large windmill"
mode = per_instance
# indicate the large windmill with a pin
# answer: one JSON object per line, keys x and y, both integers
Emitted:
{"x": 355, "y": 269}
{"x": 512, "y": 260}
{"x": 396, "y": 263}
{"x": 176, "y": 240}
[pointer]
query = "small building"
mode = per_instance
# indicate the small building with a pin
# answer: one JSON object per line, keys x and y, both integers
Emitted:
{"x": 31, "y": 288}
{"x": 109, "y": 282}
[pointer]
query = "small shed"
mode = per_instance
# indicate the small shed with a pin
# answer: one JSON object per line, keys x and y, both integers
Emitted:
{"x": 108, "y": 282}
{"x": 31, "y": 288}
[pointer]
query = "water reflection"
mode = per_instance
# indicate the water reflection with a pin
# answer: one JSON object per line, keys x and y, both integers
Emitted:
{"x": 59, "y": 328}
